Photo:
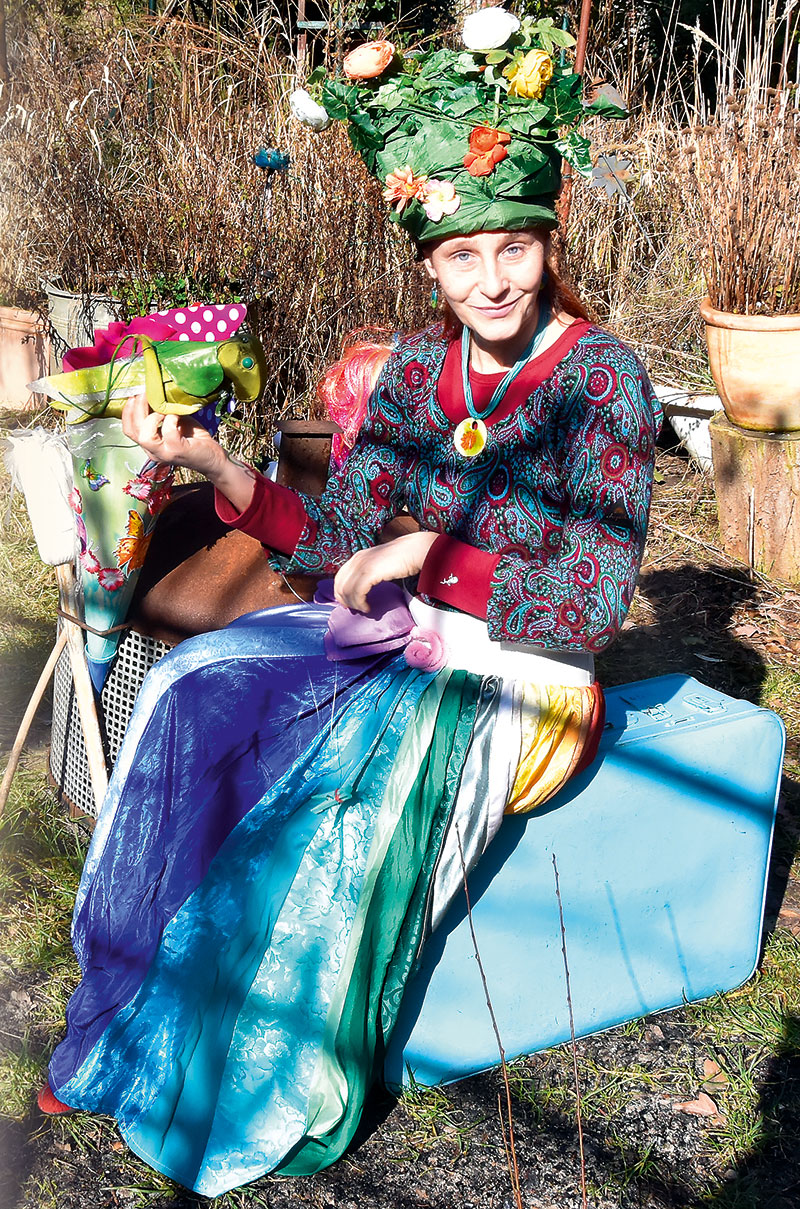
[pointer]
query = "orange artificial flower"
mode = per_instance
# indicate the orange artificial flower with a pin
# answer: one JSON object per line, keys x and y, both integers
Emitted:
{"x": 369, "y": 60}
{"x": 486, "y": 149}
{"x": 402, "y": 186}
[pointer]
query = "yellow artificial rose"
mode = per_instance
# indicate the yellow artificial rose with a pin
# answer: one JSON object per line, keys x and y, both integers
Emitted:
{"x": 530, "y": 76}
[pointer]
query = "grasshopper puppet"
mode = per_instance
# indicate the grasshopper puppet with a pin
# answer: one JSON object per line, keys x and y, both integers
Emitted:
{"x": 179, "y": 377}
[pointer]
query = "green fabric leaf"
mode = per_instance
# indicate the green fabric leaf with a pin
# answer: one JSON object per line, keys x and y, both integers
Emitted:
{"x": 339, "y": 98}
{"x": 390, "y": 95}
{"x": 497, "y": 56}
{"x": 607, "y": 103}
{"x": 467, "y": 64}
{"x": 521, "y": 118}
{"x": 567, "y": 100}
{"x": 364, "y": 133}
{"x": 577, "y": 151}
{"x": 495, "y": 77}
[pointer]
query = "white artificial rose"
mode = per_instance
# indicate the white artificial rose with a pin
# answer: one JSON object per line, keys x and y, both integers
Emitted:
{"x": 308, "y": 111}
{"x": 489, "y": 28}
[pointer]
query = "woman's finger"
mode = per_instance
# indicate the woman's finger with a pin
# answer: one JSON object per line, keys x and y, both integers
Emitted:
{"x": 134, "y": 413}
{"x": 353, "y": 581}
{"x": 170, "y": 428}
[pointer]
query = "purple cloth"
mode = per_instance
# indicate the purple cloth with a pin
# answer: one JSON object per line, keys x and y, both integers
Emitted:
{"x": 387, "y": 626}
{"x": 352, "y": 635}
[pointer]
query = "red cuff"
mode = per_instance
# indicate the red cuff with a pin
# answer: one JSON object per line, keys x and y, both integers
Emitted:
{"x": 275, "y": 515}
{"x": 458, "y": 575}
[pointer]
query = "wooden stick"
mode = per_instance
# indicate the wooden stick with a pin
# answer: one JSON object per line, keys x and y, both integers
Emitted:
{"x": 584, "y": 1198}
{"x": 84, "y": 692}
{"x": 510, "y": 1147}
{"x": 27, "y": 719}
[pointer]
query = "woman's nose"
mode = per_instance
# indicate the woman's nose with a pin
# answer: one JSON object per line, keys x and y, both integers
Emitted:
{"x": 493, "y": 281}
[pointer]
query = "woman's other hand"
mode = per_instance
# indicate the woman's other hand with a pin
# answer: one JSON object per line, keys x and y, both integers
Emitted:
{"x": 183, "y": 442}
{"x": 398, "y": 559}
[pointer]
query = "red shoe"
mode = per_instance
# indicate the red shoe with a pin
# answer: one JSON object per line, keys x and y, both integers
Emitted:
{"x": 50, "y": 1105}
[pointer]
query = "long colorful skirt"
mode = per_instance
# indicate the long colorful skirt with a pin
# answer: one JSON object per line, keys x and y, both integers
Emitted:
{"x": 280, "y": 834}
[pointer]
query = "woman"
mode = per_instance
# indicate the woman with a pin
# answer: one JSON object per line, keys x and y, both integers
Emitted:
{"x": 296, "y": 801}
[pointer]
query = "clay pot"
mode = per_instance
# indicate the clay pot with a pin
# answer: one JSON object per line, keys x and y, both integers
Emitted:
{"x": 755, "y": 363}
{"x": 23, "y": 356}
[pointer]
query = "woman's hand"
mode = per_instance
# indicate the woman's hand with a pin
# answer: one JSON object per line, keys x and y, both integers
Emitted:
{"x": 183, "y": 442}
{"x": 397, "y": 559}
{"x": 176, "y": 439}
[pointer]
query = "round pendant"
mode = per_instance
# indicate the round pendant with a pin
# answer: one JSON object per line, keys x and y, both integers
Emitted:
{"x": 470, "y": 438}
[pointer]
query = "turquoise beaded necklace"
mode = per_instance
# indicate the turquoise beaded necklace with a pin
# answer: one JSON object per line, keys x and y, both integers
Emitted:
{"x": 502, "y": 386}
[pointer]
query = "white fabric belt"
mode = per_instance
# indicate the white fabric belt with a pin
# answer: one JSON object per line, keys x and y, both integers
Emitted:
{"x": 468, "y": 646}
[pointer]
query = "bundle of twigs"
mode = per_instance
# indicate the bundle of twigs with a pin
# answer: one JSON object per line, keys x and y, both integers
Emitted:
{"x": 743, "y": 162}
{"x": 744, "y": 170}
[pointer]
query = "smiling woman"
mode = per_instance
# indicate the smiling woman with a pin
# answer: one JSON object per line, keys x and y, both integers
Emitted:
{"x": 270, "y": 855}
{"x": 492, "y": 281}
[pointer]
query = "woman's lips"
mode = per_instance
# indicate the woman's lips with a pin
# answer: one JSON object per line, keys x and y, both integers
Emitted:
{"x": 496, "y": 312}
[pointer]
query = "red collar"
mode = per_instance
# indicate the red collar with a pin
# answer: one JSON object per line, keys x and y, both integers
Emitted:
{"x": 450, "y": 389}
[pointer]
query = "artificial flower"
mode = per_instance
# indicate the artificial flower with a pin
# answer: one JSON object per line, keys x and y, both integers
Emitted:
{"x": 74, "y": 500}
{"x": 89, "y": 561}
{"x": 440, "y": 198}
{"x": 111, "y": 579}
{"x": 529, "y": 76}
{"x": 308, "y": 111}
{"x": 402, "y": 186}
{"x": 486, "y": 149}
{"x": 369, "y": 60}
{"x": 158, "y": 499}
{"x": 139, "y": 488}
{"x": 489, "y": 29}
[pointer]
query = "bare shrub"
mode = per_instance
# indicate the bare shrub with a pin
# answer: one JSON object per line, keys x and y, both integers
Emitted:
{"x": 128, "y": 169}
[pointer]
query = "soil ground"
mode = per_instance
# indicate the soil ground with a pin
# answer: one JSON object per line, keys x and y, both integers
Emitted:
{"x": 697, "y": 612}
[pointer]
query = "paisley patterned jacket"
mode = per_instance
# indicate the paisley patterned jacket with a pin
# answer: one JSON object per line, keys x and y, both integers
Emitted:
{"x": 545, "y": 529}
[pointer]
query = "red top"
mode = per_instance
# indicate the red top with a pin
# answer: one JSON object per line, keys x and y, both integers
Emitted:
{"x": 450, "y": 390}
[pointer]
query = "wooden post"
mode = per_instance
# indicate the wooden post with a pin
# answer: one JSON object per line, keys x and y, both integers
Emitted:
{"x": 757, "y": 484}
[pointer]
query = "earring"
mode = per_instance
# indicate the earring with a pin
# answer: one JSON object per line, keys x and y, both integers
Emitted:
{"x": 435, "y": 295}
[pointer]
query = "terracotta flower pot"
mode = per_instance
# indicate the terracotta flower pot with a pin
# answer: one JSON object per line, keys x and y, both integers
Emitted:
{"x": 755, "y": 363}
{"x": 23, "y": 356}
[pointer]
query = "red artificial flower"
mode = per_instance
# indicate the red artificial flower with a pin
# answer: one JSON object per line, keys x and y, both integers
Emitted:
{"x": 486, "y": 149}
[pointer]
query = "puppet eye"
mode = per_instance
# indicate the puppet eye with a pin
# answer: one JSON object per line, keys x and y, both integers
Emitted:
{"x": 248, "y": 362}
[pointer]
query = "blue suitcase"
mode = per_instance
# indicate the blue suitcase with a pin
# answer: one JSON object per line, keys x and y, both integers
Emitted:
{"x": 662, "y": 850}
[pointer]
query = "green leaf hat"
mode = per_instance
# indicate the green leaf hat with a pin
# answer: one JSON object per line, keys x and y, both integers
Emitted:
{"x": 464, "y": 140}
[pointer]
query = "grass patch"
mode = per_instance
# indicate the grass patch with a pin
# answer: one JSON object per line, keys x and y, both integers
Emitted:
{"x": 434, "y": 1119}
{"x": 19, "y": 1074}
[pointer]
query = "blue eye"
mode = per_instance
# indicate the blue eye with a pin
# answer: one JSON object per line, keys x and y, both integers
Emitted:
{"x": 248, "y": 362}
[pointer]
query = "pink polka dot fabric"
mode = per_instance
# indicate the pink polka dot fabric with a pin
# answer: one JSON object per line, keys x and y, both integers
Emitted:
{"x": 206, "y": 321}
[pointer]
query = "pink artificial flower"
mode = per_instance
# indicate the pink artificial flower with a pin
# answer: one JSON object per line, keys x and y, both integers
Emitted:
{"x": 440, "y": 199}
{"x": 402, "y": 186}
{"x": 89, "y": 561}
{"x": 139, "y": 489}
{"x": 111, "y": 579}
{"x": 425, "y": 650}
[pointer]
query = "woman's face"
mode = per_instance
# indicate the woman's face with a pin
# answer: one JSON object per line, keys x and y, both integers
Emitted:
{"x": 491, "y": 281}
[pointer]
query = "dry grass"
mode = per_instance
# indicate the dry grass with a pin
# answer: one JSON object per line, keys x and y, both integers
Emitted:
{"x": 148, "y": 133}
